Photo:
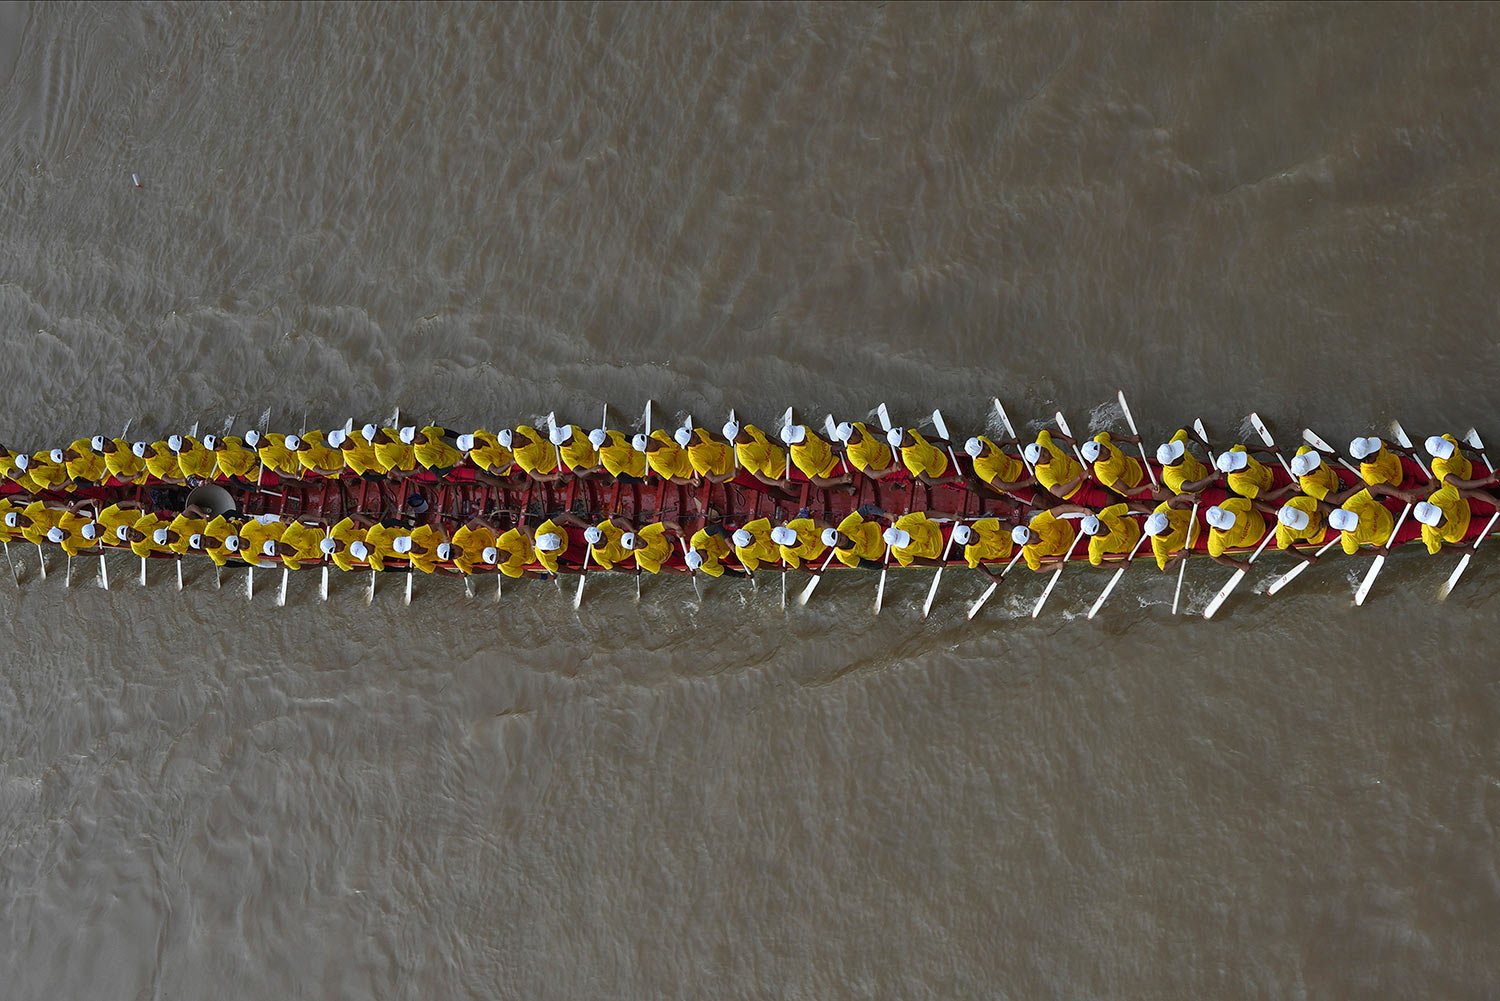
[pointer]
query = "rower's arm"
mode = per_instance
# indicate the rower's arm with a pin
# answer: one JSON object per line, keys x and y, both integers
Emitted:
{"x": 1078, "y": 509}
{"x": 1231, "y": 564}
{"x": 1196, "y": 485}
{"x": 1471, "y": 484}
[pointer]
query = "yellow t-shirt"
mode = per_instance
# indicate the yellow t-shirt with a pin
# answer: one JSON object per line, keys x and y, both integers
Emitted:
{"x": 1382, "y": 469}
{"x": 1249, "y": 527}
{"x": 89, "y": 466}
{"x": 48, "y": 475}
{"x": 345, "y": 533}
{"x": 1188, "y": 470}
{"x": 621, "y": 459}
{"x": 868, "y": 544}
{"x": 215, "y": 534}
{"x": 926, "y": 538}
{"x": 185, "y": 527}
{"x": 609, "y": 552}
{"x": 435, "y": 452}
{"x": 112, "y": 518}
{"x": 1121, "y": 535}
{"x": 469, "y": 544}
{"x": 709, "y": 456}
{"x": 713, "y": 547}
{"x": 147, "y": 525}
{"x": 1375, "y": 523}
{"x": 1050, "y": 536}
{"x": 1457, "y": 465}
{"x": 393, "y": 454}
{"x": 995, "y": 467}
{"x": 255, "y": 533}
{"x": 761, "y": 455}
{"x": 1315, "y": 531}
{"x": 303, "y": 541}
{"x": 318, "y": 456}
{"x": 1169, "y": 543}
{"x": 1252, "y": 481}
{"x": 1456, "y": 516}
{"x": 809, "y": 547}
{"x": 549, "y": 560}
{"x": 234, "y": 458}
{"x": 489, "y": 455}
{"x": 517, "y": 553}
{"x": 1060, "y": 470}
{"x": 922, "y": 458}
{"x": 359, "y": 455}
{"x": 671, "y": 461}
{"x": 424, "y": 542}
{"x": 1115, "y": 470}
{"x": 533, "y": 452}
{"x": 761, "y": 549}
{"x": 868, "y": 451}
{"x": 990, "y": 542}
{"x": 195, "y": 460}
{"x": 73, "y": 541}
{"x": 278, "y": 458}
{"x": 658, "y": 548}
{"x": 122, "y": 462}
{"x": 814, "y": 456}
{"x": 578, "y": 453}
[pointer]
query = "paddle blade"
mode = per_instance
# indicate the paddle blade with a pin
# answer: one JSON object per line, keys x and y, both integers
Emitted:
{"x": 68, "y": 575}
{"x": 807, "y": 592}
{"x": 940, "y": 424}
{"x": 1062, "y": 425}
{"x": 1286, "y": 578}
{"x": 410, "y": 579}
{"x": 1099, "y": 602}
{"x": 1047, "y": 591}
{"x": 1309, "y": 436}
{"x": 578, "y": 593}
{"x": 1262, "y": 430}
{"x": 179, "y": 574}
{"x": 1452, "y": 581}
{"x": 1369, "y": 581}
{"x": 884, "y": 417}
{"x": 323, "y": 585}
{"x": 932, "y": 592}
{"x": 370, "y": 594}
{"x": 41, "y": 561}
{"x": 1224, "y": 593}
{"x": 880, "y": 592}
{"x": 1004, "y": 418}
{"x": 1177, "y": 594}
{"x": 646, "y": 420}
{"x": 103, "y": 573}
{"x": 974, "y": 608}
{"x": 1399, "y": 433}
{"x": 249, "y": 581}
{"x": 281, "y": 594}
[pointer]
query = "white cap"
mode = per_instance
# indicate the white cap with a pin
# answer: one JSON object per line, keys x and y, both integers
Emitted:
{"x": 681, "y": 436}
{"x": 232, "y": 543}
{"x": 210, "y": 441}
{"x": 893, "y": 437}
{"x": 159, "y": 536}
{"x": 1156, "y": 523}
{"x": 337, "y": 437}
{"x": 505, "y": 437}
{"x": 742, "y": 538}
{"x": 1305, "y": 463}
{"x": 896, "y": 538}
{"x": 844, "y": 432}
{"x": 1033, "y": 453}
{"x": 465, "y": 442}
{"x": 1293, "y": 517}
{"x": 252, "y": 438}
{"x": 1091, "y": 524}
{"x": 56, "y": 535}
{"x": 13, "y": 518}
{"x": 830, "y": 536}
{"x": 97, "y": 443}
{"x": 1170, "y": 452}
{"x": 490, "y": 555}
{"x": 1363, "y": 448}
{"x": 1091, "y": 450}
{"x": 368, "y": 433}
{"x": 694, "y": 559}
{"x": 628, "y": 540}
{"x": 783, "y": 536}
{"x": 598, "y": 437}
{"x": 122, "y": 532}
{"x": 639, "y": 441}
{"x": 408, "y": 434}
{"x": 268, "y": 548}
{"x": 593, "y": 535}
{"x": 401, "y": 544}
{"x": 973, "y": 447}
{"x": 1219, "y": 518}
{"x": 359, "y": 550}
{"x": 1232, "y": 461}
{"x": 174, "y": 442}
{"x": 560, "y": 434}
{"x": 56, "y": 455}
{"x": 1343, "y": 520}
{"x": 547, "y": 542}
{"x": 1439, "y": 447}
{"x": 23, "y": 461}
{"x": 731, "y": 430}
{"x": 327, "y": 545}
{"x": 90, "y": 531}
{"x": 195, "y": 541}
{"x": 1427, "y": 514}
{"x": 962, "y": 534}
{"x": 1020, "y": 535}
{"x": 445, "y": 550}
{"x": 292, "y": 442}
{"x": 794, "y": 434}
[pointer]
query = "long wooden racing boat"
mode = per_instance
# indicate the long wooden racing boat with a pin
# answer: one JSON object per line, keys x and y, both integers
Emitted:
{"x": 457, "y": 496}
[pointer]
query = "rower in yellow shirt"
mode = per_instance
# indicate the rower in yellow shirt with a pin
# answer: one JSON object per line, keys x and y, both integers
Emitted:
{"x": 858, "y": 541}
{"x": 338, "y": 544}
{"x": 1113, "y": 469}
{"x": 194, "y": 460}
{"x": 256, "y": 532}
{"x": 708, "y": 549}
{"x": 1234, "y": 523}
{"x": 221, "y": 538}
{"x": 619, "y": 456}
{"x": 515, "y": 554}
{"x": 985, "y": 541}
{"x": 550, "y": 541}
{"x": 573, "y": 445}
{"x": 915, "y": 538}
{"x": 300, "y": 544}
{"x": 469, "y": 545}
{"x": 866, "y": 449}
{"x": 1045, "y": 537}
{"x": 185, "y": 533}
{"x": 1450, "y": 467}
{"x": 1181, "y": 472}
{"x": 652, "y": 545}
{"x": 996, "y": 468}
{"x": 712, "y": 458}
{"x": 924, "y": 460}
{"x": 814, "y": 456}
{"x": 1362, "y": 521}
{"x": 428, "y": 546}
{"x": 358, "y": 452}
{"x": 114, "y": 518}
{"x": 1383, "y": 472}
{"x": 381, "y": 545}
{"x": 85, "y": 461}
{"x": 271, "y": 448}
{"x": 1317, "y": 479}
{"x": 1300, "y": 522}
{"x": 148, "y": 536}
{"x": 1062, "y": 475}
{"x": 799, "y": 542}
{"x": 1444, "y": 518}
{"x": 604, "y": 546}
{"x": 124, "y": 460}
{"x": 486, "y": 454}
{"x": 1248, "y": 477}
{"x": 753, "y": 544}
{"x": 161, "y": 463}
{"x": 536, "y": 456}
{"x": 233, "y": 459}
{"x": 35, "y": 520}
{"x": 47, "y": 470}
{"x": 1168, "y": 528}
{"x": 757, "y": 454}
{"x": 668, "y": 457}
{"x": 1111, "y": 532}
{"x": 396, "y": 452}
{"x": 434, "y": 451}
{"x": 74, "y": 533}
{"x": 318, "y": 454}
